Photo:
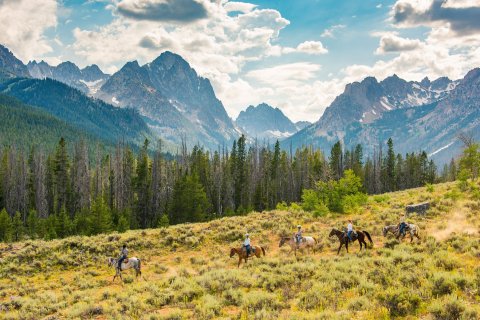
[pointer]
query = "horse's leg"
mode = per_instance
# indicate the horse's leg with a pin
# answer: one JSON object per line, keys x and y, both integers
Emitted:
{"x": 341, "y": 244}
{"x": 239, "y": 261}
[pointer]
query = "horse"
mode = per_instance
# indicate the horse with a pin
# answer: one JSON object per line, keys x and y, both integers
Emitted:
{"x": 242, "y": 253}
{"x": 395, "y": 230}
{"x": 342, "y": 237}
{"x": 305, "y": 243}
{"x": 131, "y": 263}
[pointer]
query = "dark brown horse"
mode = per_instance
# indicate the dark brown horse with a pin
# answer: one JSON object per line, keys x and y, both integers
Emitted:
{"x": 242, "y": 253}
{"x": 342, "y": 237}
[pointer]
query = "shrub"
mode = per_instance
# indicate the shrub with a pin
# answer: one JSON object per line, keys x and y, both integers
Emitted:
{"x": 443, "y": 284}
{"x": 317, "y": 297}
{"x": 320, "y": 210}
{"x": 208, "y": 307}
{"x": 309, "y": 200}
{"x": 381, "y": 198}
{"x": 429, "y": 187}
{"x": 282, "y": 206}
{"x": 400, "y": 302}
{"x": 257, "y": 300}
{"x": 359, "y": 304}
{"x": 447, "y": 308}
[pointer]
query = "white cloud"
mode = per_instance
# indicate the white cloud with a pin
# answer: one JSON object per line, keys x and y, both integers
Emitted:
{"x": 312, "y": 47}
{"x": 285, "y": 75}
{"x": 391, "y": 42}
{"x": 23, "y": 23}
{"x": 233, "y": 6}
{"x": 330, "y": 32}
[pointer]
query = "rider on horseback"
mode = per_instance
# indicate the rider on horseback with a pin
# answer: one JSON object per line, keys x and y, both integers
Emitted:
{"x": 246, "y": 244}
{"x": 123, "y": 256}
{"x": 350, "y": 230}
{"x": 403, "y": 226}
{"x": 298, "y": 235}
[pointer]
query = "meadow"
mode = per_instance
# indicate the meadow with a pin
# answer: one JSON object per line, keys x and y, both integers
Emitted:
{"x": 188, "y": 274}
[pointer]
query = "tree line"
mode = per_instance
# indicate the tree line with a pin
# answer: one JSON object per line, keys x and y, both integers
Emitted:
{"x": 67, "y": 191}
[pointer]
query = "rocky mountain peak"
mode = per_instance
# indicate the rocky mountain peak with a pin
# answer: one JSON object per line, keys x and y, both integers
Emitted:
{"x": 10, "y": 66}
{"x": 266, "y": 122}
{"x": 93, "y": 73}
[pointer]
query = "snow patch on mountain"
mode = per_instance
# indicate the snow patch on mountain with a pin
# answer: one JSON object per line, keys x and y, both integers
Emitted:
{"x": 440, "y": 149}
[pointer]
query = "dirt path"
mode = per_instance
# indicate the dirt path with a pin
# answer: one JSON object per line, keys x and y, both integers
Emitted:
{"x": 456, "y": 222}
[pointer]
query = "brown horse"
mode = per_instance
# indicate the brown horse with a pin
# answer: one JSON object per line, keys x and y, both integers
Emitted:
{"x": 242, "y": 253}
{"x": 342, "y": 237}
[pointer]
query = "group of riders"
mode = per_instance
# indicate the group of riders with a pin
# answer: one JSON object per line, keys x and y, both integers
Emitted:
{"x": 349, "y": 233}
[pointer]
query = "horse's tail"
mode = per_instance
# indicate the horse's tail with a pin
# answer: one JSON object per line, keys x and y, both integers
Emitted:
{"x": 368, "y": 236}
{"x": 314, "y": 240}
{"x": 140, "y": 266}
{"x": 263, "y": 250}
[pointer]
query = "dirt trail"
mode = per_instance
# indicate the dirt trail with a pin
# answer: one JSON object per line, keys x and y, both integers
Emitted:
{"x": 456, "y": 222}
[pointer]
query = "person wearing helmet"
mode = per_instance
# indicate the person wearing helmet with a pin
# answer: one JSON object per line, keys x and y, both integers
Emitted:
{"x": 298, "y": 235}
{"x": 246, "y": 244}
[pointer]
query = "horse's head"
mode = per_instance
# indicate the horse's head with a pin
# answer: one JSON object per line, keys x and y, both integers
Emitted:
{"x": 232, "y": 252}
{"x": 111, "y": 261}
{"x": 385, "y": 231}
{"x": 333, "y": 232}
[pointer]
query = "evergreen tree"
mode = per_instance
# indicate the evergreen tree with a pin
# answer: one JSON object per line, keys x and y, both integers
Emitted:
{"x": 390, "y": 167}
{"x": 189, "y": 203}
{"x": 100, "y": 218}
{"x": 62, "y": 187}
{"x": 17, "y": 227}
{"x": 336, "y": 161}
{"x": 6, "y": 227}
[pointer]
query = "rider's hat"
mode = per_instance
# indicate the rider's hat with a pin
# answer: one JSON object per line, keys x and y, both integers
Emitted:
{"x": 247, "y": 235}
{"x": 299, "y": 226}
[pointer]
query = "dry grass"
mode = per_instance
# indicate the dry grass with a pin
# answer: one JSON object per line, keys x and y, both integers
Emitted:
{"x": 187, "y": 272}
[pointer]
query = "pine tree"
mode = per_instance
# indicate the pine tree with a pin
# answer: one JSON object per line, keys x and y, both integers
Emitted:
{"x": 390, "y": 167}
{"x": 18, "y": 227}
{"x": 6, "y": 227}
{"x": 189, "y": 203}
{"x": 336, "y": 161}
{"x": 32, "y": 224}
{"x": 100, "y": 218}
{"x": 62, "y": 187}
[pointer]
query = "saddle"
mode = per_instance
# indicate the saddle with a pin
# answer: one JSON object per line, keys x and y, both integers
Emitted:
{"x": 125, "y": 260}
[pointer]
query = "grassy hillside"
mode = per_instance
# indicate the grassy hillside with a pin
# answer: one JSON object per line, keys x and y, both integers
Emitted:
{"x": 187, "y": 272}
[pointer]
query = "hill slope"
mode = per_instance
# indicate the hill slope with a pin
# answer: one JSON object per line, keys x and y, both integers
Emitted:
{"x": 187, "y": 272}
{"x": 21, "y": 122}
{"x": 72, "y": 106}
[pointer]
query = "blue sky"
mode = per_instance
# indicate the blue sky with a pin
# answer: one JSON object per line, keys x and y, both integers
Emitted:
{"x": 294, "y": 54}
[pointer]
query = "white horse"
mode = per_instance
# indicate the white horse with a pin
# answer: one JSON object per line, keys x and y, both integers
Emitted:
{"x": 413, "y": 229}
{"x": 305, "y": 243}
{"x": 130, "y": 263}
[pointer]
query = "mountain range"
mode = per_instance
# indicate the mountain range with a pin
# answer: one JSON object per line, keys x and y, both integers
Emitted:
{"x": 268, "y": 123}
{"x": 88, "y": 80}
{"x": 426, "y": 115}
{"x": 167, "y": 99}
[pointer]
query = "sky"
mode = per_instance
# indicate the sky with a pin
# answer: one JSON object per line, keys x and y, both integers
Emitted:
{"x": 297, "y": 55}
